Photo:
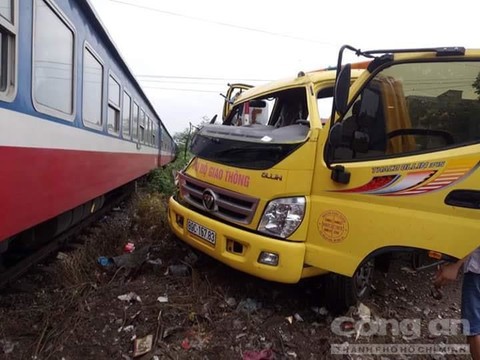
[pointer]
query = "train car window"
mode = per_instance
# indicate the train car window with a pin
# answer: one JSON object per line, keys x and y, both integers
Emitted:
{"x": 145, "y": 137}
{"x": 6, "y": 10}
{"x": 147, "y": 128}
{"x": 150, "y": 138}
{"x": 126, "y": 115}
{"x": 141, "y": 127}
{"x": 113, "y": 111}
{"x": 153, "y": 132}
{"x": 3, "y": 63}
{"x": 162, "y": 137}
{"x": 92, "y": 89}
{"x": 149, "y": 131}
{"x": 8, "y": 43}
{"x": 154, "y": 135}
{"x": 135, "y": 121}
{"x": 53, "y": 61}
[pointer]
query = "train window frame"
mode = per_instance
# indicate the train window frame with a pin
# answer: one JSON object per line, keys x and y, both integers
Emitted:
{"x": 127, "y": 135}
{"x": 162, "y": 138}
{"x": 111, "y": 105}
{"x": 9, "y": 54}
{"x": 154, "y": 129}
{"x": 96, "y": 56}
{"x": 141, "y": 126}
{"x": 154, "y": 134}
{"x": 43, "y": 108}
{"x": 148, "y": 124}
{"x": 11, "y": 12}
{"x": 135, "y": 117}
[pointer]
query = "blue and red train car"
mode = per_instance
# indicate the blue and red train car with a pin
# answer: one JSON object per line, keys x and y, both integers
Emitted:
{"x": 74, "y": 122}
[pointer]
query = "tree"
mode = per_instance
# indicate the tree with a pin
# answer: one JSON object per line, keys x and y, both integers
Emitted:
{"x": 181, "y": 139}
{"x": 476, "y": 85}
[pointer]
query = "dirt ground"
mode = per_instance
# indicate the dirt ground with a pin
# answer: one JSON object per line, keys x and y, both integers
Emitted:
{"x": 192, "y": 307}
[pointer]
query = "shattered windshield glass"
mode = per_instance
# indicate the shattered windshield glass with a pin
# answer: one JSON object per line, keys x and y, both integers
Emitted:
{"x": 258, "y": 133}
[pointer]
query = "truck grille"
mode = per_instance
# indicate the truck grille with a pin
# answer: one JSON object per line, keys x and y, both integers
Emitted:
{"x": 228, "y": 205}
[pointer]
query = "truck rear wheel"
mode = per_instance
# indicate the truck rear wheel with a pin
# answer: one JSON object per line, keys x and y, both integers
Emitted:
{"x": 343, "y": 291}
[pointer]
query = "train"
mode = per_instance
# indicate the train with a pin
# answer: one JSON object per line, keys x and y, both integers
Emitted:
{"x": 75, "y": 124}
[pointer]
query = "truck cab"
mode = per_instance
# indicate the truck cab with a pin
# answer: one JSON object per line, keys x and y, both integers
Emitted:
{"x": 287, "y": 188}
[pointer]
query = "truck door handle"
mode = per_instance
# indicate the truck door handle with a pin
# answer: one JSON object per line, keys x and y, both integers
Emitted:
{"x": 464, "y": 198}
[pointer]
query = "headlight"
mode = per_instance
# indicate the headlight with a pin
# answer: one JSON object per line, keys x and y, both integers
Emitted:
{"x": 282, "y": 216}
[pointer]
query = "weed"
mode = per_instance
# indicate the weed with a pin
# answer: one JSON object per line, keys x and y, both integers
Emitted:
{"x": 161, "y": 180}
{"x": 150, "y": 218}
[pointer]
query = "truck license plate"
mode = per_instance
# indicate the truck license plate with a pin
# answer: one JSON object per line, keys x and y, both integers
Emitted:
{"x": 201, "y": 231}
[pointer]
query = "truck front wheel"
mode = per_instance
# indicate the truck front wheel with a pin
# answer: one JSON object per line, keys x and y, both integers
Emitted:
{"x": 343, "y": 291}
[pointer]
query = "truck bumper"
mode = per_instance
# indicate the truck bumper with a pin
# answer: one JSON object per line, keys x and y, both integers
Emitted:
{"x": 238, "y": 248}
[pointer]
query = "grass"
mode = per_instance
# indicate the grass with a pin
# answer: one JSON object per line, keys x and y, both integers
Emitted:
{"x": 161, "y": 180}
{"x": 150, "y": 218}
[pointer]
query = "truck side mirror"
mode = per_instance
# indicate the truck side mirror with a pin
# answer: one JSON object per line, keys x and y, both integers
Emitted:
{"x": 335, "y": 139}
{"x": 342, "y": 86}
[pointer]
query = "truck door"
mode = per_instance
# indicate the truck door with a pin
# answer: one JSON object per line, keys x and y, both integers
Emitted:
{"x": 234, "y": 90}
{"x": 410, "y": 149}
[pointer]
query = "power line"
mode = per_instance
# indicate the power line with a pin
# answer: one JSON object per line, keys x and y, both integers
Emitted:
{"x": 240, "y": 27}
{"x": 183, "y": 82}
{"x": 197, "y": 78}
{"x": 178, "y": 89}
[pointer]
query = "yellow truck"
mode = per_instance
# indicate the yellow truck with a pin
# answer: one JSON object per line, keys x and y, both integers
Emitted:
{"x": 335, "y": 169}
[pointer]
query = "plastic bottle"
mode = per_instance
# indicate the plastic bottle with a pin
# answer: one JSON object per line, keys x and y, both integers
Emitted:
{"x": 104, "y": 261}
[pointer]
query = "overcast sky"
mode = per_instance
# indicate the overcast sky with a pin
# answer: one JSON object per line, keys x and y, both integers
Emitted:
{"x": 184, "y": 52}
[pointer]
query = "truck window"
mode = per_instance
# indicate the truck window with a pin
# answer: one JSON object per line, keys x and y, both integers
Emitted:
{"x": 279, "y": 109}
{"x": 415, "y": 108}
{"x": 324, "y": 104}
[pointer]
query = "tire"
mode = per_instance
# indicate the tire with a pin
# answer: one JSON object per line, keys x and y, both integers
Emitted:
{"x": 343, "y": 291}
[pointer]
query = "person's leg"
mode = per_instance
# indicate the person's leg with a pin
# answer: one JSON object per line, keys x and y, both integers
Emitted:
{"x": 471, "y": 311}
{"x": 474, "y": 342}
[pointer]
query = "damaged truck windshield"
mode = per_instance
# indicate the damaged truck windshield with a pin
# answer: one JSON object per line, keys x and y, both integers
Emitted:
{"x": 263, "y": 131}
